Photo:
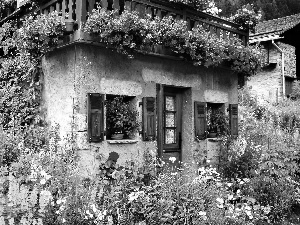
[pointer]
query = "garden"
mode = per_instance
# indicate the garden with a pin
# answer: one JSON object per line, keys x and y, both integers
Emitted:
{"x": 41, "y": 183}
{"x": 255, "y": 183}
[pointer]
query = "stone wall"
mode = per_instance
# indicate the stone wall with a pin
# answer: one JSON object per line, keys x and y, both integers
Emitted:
{"x": 267, "y": 84}
{"x": 74, "y": 71}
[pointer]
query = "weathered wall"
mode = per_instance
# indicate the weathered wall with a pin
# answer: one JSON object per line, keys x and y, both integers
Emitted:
{"x": 268, "y": 82}
{"x": 74, "y": 71}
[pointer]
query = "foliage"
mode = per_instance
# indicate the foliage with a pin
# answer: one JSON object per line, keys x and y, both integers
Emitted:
{"x": 270, "y": 9}
{"x": 296, "y": 90}
{"x": 46, "y": 188}
{"x": 247, "y": 18}
{"x": 6, "y": 4}
{"x": 121, "y": 117}
{"x": 216, "y": 121}
{"x": 39, "y": 33}
{"x": 266, "y": 152}
{"x": 20, "y": 86}
{"x": 207, "y": 6}
{"x": 127, "y": 32}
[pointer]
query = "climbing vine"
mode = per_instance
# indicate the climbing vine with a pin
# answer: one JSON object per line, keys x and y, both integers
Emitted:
{"x": 128, "y": 33}
{"x": 20, "y": 66}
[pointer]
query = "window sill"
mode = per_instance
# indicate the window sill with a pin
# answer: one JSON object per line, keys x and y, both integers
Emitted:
{"x": 125, "y": 141}
{"x": 216, "y": 139}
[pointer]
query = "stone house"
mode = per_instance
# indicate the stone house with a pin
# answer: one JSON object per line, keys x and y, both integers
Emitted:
{"x": 171, "y": 95}
{"x": 291, "y": 37}
{"x": 276, "y": 78}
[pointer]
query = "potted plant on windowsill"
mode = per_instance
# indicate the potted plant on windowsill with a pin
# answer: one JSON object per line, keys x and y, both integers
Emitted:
{"x": 216, "y": 123}
{"x": 121, "y": 118}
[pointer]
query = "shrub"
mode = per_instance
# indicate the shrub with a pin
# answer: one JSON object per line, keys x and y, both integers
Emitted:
{"x": 296, "y": 90}
{"x": 266, "y": 152}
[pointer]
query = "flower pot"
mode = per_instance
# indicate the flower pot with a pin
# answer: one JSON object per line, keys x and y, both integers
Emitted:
{"x": 131, "y": 136}
{"x": 117, "y": 136}
{"x": 69, "y": 25}
{"x": 212, "y": 135}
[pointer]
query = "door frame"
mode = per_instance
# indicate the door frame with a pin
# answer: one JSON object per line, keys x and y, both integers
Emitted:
{"x": 175, "y": 91}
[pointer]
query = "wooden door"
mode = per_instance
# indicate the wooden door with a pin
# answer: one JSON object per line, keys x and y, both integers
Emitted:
{"x": 170, "y": 123}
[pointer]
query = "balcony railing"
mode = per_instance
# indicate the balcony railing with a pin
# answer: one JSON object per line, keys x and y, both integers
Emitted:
{"x": 79, "y": 10}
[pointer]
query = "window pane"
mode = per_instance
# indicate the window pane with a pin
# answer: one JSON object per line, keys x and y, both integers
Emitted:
{"x": 170, "y": 119}
{"x": 170, "y": 136}
{"x": 170, "y": 103}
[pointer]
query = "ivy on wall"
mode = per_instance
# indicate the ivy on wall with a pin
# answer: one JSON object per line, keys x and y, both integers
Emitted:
{"x": 20, "y": 66}
{"x": 128, "y": 33}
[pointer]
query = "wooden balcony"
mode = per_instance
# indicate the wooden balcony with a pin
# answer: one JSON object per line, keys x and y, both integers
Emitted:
{"x": 79, "y": 10}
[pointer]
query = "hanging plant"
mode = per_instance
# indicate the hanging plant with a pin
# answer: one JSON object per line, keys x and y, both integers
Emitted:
{"x": 247, "y": 18}
{"x": 128, "y": 33}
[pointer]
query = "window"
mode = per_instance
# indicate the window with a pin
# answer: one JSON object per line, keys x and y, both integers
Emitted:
{"x": 171, "y": 120}
{"x": 210, "y": 119}
{"x": 121, "y": 117}
{"x": 216, "y": 121}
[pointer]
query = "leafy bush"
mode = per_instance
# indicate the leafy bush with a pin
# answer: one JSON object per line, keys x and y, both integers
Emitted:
{"x": 46, "y": 187}
{"x": 20, "y": 69}
{"x": 296, "y": 90}
{"x": 266, "y": 152}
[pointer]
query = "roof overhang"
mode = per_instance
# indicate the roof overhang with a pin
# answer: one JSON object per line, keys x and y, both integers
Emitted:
{"x": 263, "y": 37}
{"x": 292, "y": 36}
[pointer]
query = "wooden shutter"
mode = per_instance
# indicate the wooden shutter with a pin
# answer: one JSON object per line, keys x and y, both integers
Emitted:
{"x": 233, "y": 110}
{"x": 200, "y": 120}
{"x": 95, "y": 117}
{"x": 149, "y": 118}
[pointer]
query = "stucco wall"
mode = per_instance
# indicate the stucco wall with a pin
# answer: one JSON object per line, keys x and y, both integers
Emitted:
{"x": 74, "y": 71}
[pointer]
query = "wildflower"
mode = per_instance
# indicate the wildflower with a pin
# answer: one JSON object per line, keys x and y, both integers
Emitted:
{"x": 89, "y": 214}
{"x": 11, "y": 221}
{"x": 43, "y": 181}
{"x": 61, "y": 200}
{"x": 21, "y": 145}
{"x": 33, "y": 175}
{"x": 220, "y": 203}
{"x": 109, "y": 220}
{"x": 246, "y": 180}
{"x": 172, "y": 159}
{"x": 94, "y": 208}
{"x": 266, "y": 209}
{"x": 230, "y": 197}
{"x": 46, "y": 195}
{"x": 134, "y": 195}
{"x": 101, "y": 215}
{"x": 2, "y": 221}
{"x": 45, "y": 177}
{"x": 203, "y": 215}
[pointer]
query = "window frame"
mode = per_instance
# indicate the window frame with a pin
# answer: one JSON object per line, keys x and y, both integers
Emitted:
{"x": 178, "y": 119}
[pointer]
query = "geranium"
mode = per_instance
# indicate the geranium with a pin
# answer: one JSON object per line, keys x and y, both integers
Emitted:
{"x": 128, "y": 32}
{"x": 6, "y": 3}
{"x": 247, "y": 17}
